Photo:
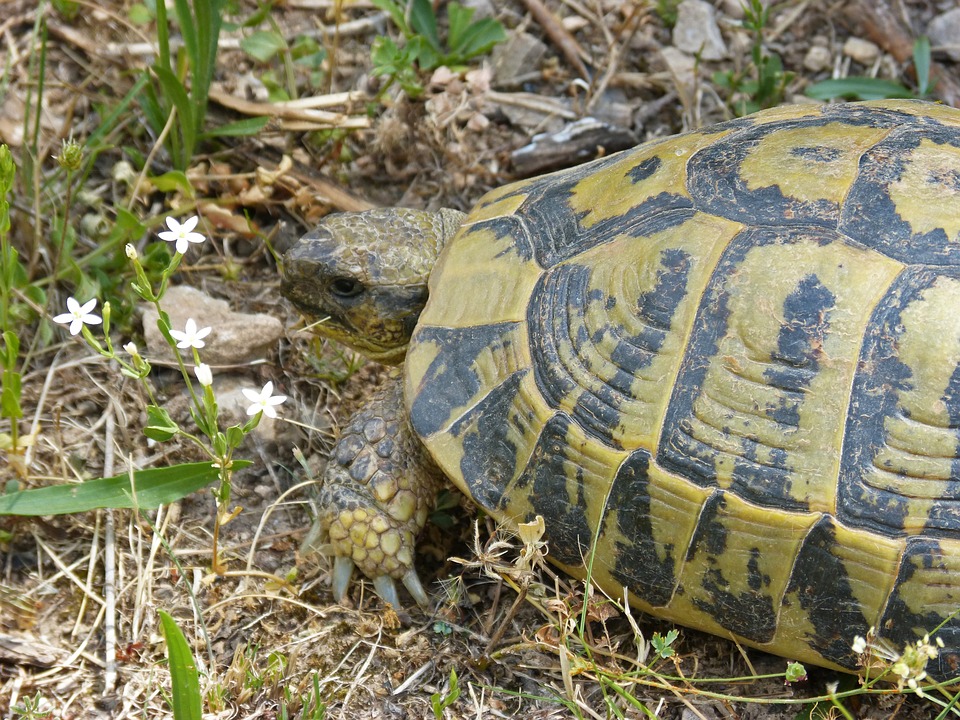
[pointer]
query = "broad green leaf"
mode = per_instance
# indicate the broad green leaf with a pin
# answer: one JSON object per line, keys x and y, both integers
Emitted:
{"x": 423, "y": 20}
{"x": 184, "y": 678}
{"x": 478, "y": 38}
{"x": 263, "y": 44}
{"x": 150, "y": 488}
{"x": 173, "y": 181}
{"x": 140, "y": 14}
{"x": 860, "y": 88}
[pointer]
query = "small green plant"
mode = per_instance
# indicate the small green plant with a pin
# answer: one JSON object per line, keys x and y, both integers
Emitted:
{"x": 218, "y": 444}
{"x": 17, "y": 294}
{"x": 872, "y": 88}
{"x": 423, "y": 49}
{"x": 662, "y": 644}
{"x": 667, "y": 11}
{"x": 176, "y": 108}
{"x": 763, "y": 83}
{"x": 440, "y": 702}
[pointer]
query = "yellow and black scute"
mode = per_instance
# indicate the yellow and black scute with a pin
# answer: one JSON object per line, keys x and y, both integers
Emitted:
{"x": 728, "y": 365}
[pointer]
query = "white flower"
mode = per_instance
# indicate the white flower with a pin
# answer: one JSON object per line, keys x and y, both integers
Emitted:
{"x": 182, "y": 235}
{"x": 131, "y": 251}
{"x": 190, "y": 337}
{"x": 204, "y": 374}
{"x": 859, "y": 645}
{"x": 131, "y": 347}
{"x": 78, "y": 315}
{"x": 263, "y": 401}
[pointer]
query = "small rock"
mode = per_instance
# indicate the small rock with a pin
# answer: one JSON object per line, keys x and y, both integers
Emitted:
{"x": 481, "y": 9}
{"x": 861, "y": 51}
{"x": 683, "y": 69}
{"x": 235, "y": 337}
{"x": 944, "y": 32}
{"x": 696, "y": 31}
{"x": 519, "y": 56}
{"x": 818, "y": 58}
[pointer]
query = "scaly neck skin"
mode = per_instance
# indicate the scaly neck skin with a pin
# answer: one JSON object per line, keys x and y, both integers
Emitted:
{"x": 364, "y": 276}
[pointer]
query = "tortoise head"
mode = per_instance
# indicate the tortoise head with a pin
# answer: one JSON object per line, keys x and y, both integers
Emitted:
{"x": 363, "y": 276}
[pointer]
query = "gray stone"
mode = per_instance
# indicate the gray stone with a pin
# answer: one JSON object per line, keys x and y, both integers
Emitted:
{"x": 697, "y": 32}
{"x": 861, "y": 51}
{"x": 235, "y": 338}
{"x": 944, "y": 32}
{"x": 519, "y": 56}
{"x": 818, "y": 58}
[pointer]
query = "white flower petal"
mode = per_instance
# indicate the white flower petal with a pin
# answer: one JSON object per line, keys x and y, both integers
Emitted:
{"x": 251, "y": 395}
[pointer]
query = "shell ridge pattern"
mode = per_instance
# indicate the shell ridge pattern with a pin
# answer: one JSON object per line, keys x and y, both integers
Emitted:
{"x": 792, "y": 279}
{"x": 901, "y": 456}
{"x": 741, "y": 376}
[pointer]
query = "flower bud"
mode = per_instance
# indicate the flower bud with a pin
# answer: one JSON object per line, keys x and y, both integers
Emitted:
{"x": 71, "y": 155}
{"x": 204, "y": 374}
{"x": 131, "y": 251}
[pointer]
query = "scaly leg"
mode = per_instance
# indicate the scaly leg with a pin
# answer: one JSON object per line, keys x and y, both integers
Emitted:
{"x": 379, "y": 487}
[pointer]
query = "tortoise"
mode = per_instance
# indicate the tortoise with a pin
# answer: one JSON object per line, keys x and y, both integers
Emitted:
{"x": 724, "y": 366}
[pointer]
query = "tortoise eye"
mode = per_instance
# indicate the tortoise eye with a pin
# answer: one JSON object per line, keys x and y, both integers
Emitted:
{"x": 346, "y": 288}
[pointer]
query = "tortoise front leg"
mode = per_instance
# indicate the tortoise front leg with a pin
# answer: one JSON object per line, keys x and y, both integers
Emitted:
{"x": 378, "y": 489}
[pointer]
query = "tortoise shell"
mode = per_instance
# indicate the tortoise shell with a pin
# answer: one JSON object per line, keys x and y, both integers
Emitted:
{"x": 725, "y": 369}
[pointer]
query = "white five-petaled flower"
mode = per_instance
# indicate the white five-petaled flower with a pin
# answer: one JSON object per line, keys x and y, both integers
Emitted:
{"x": 79, "y": 315}
{"x": 183, "y": 234}
{"x": 204, "y": 374}
{"x": 264, "y": 401}
{"x": 190, "y": 337}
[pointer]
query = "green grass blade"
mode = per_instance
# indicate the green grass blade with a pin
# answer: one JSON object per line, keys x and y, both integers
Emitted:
{"x": 921, "y": 63}
{"x": 150, "y": 488}
{"x": 239, "y": 128}
{"x": 861, "y": 88}
{"x": 184, "y": 678}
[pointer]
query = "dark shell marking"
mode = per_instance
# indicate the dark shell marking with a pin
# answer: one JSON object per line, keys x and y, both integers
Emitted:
{"x": 730, "y": 361}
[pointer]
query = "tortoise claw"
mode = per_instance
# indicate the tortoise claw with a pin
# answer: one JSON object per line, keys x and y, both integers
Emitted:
{"x": 387, "y": 589}
{"x": 412, "y": 583}
{"x": 342, "y": 572}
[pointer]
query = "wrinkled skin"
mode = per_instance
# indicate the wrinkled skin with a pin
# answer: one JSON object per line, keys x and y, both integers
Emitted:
{"x": 363, "y": 278}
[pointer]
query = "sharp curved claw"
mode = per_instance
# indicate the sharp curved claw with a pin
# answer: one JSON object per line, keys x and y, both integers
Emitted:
{"x": 342, "y": 572}
{"x": 412, "y": 583}
{"x": 387, "y": 590}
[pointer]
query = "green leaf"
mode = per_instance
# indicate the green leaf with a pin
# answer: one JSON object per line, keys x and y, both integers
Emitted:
{"x": 263, "y": 44}
{"x": 395, "y": 11}
{"x": 476, "y": 39}
{"x": 11, "y": 348}
{"x": 234, "y": 436}
{"x": 184, "y": 678}
{"x": 10, "y": 395}
{"x": 424, "y": 21}
{"x": 921, "y": 63}
{"x": 240, "y": 128}
{"x": 140, "y": 14}
{"x": 858, "y": 88}
{"x": 149, "y": 488}
{"x": 173, "y": 181}
{"x": 160, "y": 426}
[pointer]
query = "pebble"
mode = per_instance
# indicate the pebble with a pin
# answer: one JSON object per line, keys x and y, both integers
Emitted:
{"x": 817, "y": 59}
{"x": 235, "y": 337}
{"x": 697, "y": 32}
{"x": 861, "y": 51}
{"x": 944, "y": 31}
